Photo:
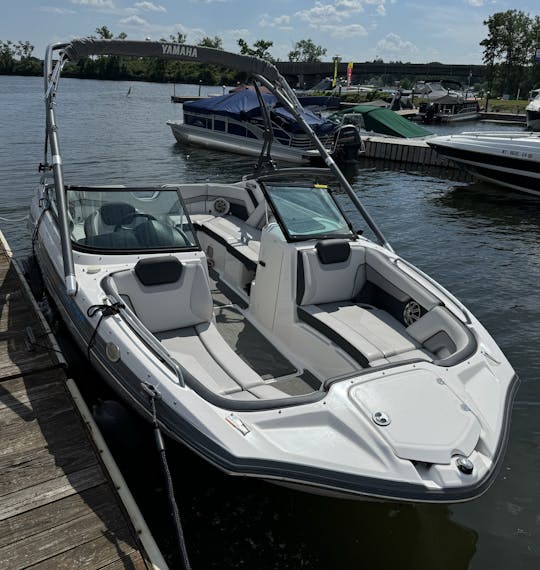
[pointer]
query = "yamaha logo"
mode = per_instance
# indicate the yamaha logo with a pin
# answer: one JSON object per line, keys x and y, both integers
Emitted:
{"x": 177, "y": 49}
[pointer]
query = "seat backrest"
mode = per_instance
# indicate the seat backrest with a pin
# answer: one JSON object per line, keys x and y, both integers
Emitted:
{"x": 332, "y": 271}
{"x": 107, "y": 218}
{"x": 166, "y": 294}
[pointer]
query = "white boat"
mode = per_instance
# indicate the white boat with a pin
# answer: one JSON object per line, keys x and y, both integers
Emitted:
{"x": 508, "y": 159}
{"x": 236, "y": 123}
{"x": 270, "y": 336}
{"x": 533, "y": 111}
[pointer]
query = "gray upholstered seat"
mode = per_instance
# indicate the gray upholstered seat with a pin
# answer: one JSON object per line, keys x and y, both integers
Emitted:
{"x": 107, "y": 218}
{"x": 172, "y": 299}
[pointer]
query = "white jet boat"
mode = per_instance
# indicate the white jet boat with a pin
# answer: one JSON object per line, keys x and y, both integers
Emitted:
{"x": 507, "y": 159}
{"x": 272, "y": 338}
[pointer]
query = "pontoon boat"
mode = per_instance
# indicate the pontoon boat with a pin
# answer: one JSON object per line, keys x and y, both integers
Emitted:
{"x": 236, "y": 123}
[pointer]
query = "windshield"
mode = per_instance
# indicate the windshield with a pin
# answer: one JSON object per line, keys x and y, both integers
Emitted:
{"x": 129, "y": 219}
{"x": 308, "y": 212}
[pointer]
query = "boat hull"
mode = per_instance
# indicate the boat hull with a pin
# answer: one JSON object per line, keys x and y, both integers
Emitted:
{"x": 187, "y": 134}
{"x": 511, "y": 161}
{"x": 533, "y": 120}
{"x": 307, "y": 478}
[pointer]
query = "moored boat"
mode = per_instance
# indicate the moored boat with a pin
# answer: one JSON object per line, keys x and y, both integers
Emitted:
{"x": 507, "y": 159}
{"x": 236, "y": 123}
{"x": 445, "y": 102}
{"x": 256, "y": 324}
{"x": 533, "y": 111}
{"x": 372, "y": 119}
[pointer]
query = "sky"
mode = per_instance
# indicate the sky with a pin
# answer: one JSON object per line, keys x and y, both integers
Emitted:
{"x": 419, "y": 31}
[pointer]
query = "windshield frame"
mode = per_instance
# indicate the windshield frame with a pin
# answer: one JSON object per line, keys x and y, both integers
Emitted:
{"x": 154, "y": 190}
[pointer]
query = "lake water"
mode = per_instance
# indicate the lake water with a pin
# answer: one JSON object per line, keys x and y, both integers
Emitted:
{"x": 481, "y": 242}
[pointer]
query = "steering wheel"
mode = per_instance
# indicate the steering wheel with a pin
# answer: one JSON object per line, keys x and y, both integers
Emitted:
{"x": 178, "y": 229}
{"x": 128, "y": 220}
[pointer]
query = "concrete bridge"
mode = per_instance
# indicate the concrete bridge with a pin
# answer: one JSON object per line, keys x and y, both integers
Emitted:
{"x": 306, "y": 75}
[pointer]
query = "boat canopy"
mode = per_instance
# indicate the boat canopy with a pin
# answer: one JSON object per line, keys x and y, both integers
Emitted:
{"x": 244, "y": 105}
{"x": 386, "y": 122}
{"x": 77, "y": 49}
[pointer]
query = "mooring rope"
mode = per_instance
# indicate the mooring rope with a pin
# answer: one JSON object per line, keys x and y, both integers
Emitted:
{"x": 35, "y": 233}
{"x": 106, "y": 310}
{"x": 153, "y": 394}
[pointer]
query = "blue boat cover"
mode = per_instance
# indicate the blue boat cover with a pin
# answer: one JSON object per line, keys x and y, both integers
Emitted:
{"x": 244, "y": 105}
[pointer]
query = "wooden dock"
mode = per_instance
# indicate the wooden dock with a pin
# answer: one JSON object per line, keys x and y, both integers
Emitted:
{"x": 63, "y": 504}
{"x": 503, "y": 118}
{"x": 403, "y": 151}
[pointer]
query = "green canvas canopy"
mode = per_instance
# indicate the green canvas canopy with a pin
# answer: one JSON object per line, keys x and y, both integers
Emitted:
{"x": 385, "y": 122}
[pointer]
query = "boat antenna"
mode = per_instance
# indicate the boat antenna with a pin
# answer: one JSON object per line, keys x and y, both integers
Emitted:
{"x": 265, "y": 162}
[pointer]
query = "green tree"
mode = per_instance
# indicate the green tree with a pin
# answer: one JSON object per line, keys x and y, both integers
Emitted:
{"x": 306, "y": 51}
{"x": 178, "y": 38}
{"x": 7, "y": 56}
{"x": 104, "y": 33}
{"x": 24, "y": 49}
{"x": 508, "y": 50}
{"x": 260, "y": 48}
{"x": 215, "y": 42}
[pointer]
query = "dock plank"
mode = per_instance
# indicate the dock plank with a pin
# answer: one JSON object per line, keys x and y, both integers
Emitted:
{"x": 20, "y": 395}
{"x": 45, "y": 492}
{"x": 53, "y": 544}
{"x": 51, "y": 515}
{"x": 58, "y": 506}
{"x": 30, "y": 467}
{"x": 96, "y": 554}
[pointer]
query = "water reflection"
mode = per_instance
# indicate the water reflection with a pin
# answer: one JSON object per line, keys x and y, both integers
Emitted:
{"x": 253, "y": 524}
{"x": 498, "y": 205}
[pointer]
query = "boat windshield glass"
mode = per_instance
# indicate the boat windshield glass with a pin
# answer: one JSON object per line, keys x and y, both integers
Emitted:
{"x": 308, "y": 212}
{"x": 129, "y": 219}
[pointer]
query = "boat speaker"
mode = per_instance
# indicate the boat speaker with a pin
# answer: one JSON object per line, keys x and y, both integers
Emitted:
{"x": 221, "y": 206}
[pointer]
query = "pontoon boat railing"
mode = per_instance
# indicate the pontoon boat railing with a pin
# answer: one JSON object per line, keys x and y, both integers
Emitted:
{"x": 263, "y": 71}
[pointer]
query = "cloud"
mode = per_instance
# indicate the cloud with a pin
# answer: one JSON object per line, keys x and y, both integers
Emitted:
{"x": 392, "y": 46}
{"x": 134, "y": 21}
{"x": 55, "y": 10}
{"x": 237, "y": 33}
{"x": 341, "y": 31}
{"x": 380, "y": 6}
{"x": 94, "y": 3}
{"x": 149, "y": 7}
{"x": 280, "y": 22}
{"x": 322, "y": 14}
{"x": 475, "y": 2}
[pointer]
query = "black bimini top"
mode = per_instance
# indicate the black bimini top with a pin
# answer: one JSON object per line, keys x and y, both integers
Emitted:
{"x": 80, "y": 48}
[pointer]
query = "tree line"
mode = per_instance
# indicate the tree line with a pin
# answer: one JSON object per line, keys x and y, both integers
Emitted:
{"x": 509, "y": 49}
{"x": 17, "y": 59}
